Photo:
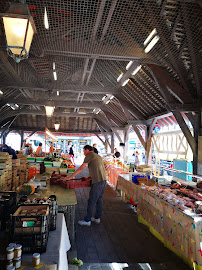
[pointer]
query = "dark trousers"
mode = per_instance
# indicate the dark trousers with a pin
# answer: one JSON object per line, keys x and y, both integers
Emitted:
{"x": 95, "y": 198}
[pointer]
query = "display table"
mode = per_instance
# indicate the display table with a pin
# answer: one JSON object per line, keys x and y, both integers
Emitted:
{"x": 113, "y": 173}
{"x": 66, "y": 199}
{"x": 180, "y": 231}
{"x": 56, "y": 252}
{"x": 127, "y": 188}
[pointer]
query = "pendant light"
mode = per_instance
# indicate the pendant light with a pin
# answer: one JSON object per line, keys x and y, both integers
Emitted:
{"x": 19, "y": 30}
{"x": 57, "y": 125}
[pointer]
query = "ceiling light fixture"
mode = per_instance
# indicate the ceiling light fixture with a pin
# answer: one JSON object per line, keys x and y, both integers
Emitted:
{"x": 57, "y": 125}
{"x": 129, "y": 64}
{"x": 119, "y": 77}
{"x": 151, "y": 44}
{"x": 107, "y": 101}
{"x": 58, "y": 93}
{"x": 46, "y": 19}
{"x": 54, "y": 72}
{"x": 55, "y": 75}
{"x": 1, "y": 92}
{"x": 19, "y": 30}
{"x": 136, "y": 70}
{"x": 111, "y": 97}
{"x": 125, "y": 82}
{"x": 153, "y": 33}
{"x": 104, "y": 97}
{"x": 49, "y": 107}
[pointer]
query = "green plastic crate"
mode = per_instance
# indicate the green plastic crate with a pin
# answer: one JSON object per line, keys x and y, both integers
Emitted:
{"x": 71, "y": 170}
{"x": 31, "y": 159}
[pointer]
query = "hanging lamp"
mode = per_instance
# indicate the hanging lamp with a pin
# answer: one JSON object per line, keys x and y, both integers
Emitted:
{"x": 19, "y": 30}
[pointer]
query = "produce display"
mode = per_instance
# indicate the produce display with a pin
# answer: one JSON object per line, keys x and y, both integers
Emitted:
{"x": 179, "y": 196}
{"x": 33, "y": 212}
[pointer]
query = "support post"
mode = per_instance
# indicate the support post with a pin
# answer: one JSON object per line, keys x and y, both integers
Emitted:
{"x": 126, "y": 135}
{"x": 22, "y": 138}
{"x": 112, "y": 143}
{"x": 197, "y": 125}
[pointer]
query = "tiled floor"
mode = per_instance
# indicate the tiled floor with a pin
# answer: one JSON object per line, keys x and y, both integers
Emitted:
{"x": 119, "y": 241}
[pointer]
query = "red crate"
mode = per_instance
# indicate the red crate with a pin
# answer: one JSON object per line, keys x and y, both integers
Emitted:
{"x": 83, "y": 183}
{"x": 65, "y": 184}
{"x": 54, "y": 181}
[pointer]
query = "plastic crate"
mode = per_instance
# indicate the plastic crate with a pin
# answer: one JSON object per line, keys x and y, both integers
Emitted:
{"x": 56, "y": 178}
{"x": 33, "y": 237}
{"x": 20, "y": 223}
{"x": 56, "y": 163}
{"x": 77, "y": 184}
{"x": 39, "y": 159}
{"x": 48, "y": 163}
{"x": 32, "y": 243}
{"x": 52, "y": 224}
{"x": 71, "y": 170}
{"x": 31, "y": 159}
{"x": 8, "y": 198}
{"x": 65, "y": 184}
{"x": 63, "y": 170}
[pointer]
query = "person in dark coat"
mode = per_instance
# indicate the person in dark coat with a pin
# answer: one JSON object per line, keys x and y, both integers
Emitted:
{"x": 8, "y": 149}
{"x": 117, "y": 153}
{"x": 95, "y": 148}
{"x": 71, "y": 151}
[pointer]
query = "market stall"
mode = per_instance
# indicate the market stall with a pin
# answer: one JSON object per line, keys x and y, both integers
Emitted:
{"x": 171, "y": 213}
{"x": 56, "y": 252}
{"x": 114, "y": 167}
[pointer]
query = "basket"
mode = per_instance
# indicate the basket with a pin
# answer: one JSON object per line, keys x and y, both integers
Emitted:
{"x": 63, "y": 170}
{"x": 56, "y": 163}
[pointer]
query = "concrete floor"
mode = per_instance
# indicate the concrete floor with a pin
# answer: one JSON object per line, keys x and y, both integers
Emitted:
{"x": 119, "y": 241}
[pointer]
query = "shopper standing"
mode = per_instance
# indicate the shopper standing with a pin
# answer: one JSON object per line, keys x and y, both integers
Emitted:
{"x": 97, "y": 173}
{"x": 39, "y": 149}
{"x": 51, "y": 149}
{"x": 95, "y": 148}
{"x": 137, "y": 160}
{"x": 117, "y": 153}
{"x": 71, "y": 151}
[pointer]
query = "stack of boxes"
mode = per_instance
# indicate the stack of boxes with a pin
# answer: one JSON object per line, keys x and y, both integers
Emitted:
{"x": 23, "y": 169}
{"x": 12, "y": 172}
{"x": 15, "y": 177}
{"x": 5, "y": 171}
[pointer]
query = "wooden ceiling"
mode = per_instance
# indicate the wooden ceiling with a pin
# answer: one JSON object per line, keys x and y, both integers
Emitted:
{"x": 91, "y": 43}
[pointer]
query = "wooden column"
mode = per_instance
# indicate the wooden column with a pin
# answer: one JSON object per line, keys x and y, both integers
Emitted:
{"x": 112, "y": 143}
{"x": 22, "y": 138}
{"x": 126, "y": 135}
{"x": 197, "y": 126}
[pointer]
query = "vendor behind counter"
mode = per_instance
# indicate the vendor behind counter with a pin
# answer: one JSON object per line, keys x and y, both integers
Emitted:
{"x": 8, "y": 149}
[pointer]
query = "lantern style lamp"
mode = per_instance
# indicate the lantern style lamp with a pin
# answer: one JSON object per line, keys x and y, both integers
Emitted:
{"x": 49, "y": 107}
{"x": 57, "y": 125}
{"x": 19, "y": 30}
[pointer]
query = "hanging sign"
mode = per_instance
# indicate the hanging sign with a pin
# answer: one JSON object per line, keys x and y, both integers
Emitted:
{"x": 157, "y": 128}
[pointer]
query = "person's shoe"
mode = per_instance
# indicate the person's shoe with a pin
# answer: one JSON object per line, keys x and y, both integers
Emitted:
{"x": 96, "y": 220}
{"x": 84, "y": 223}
